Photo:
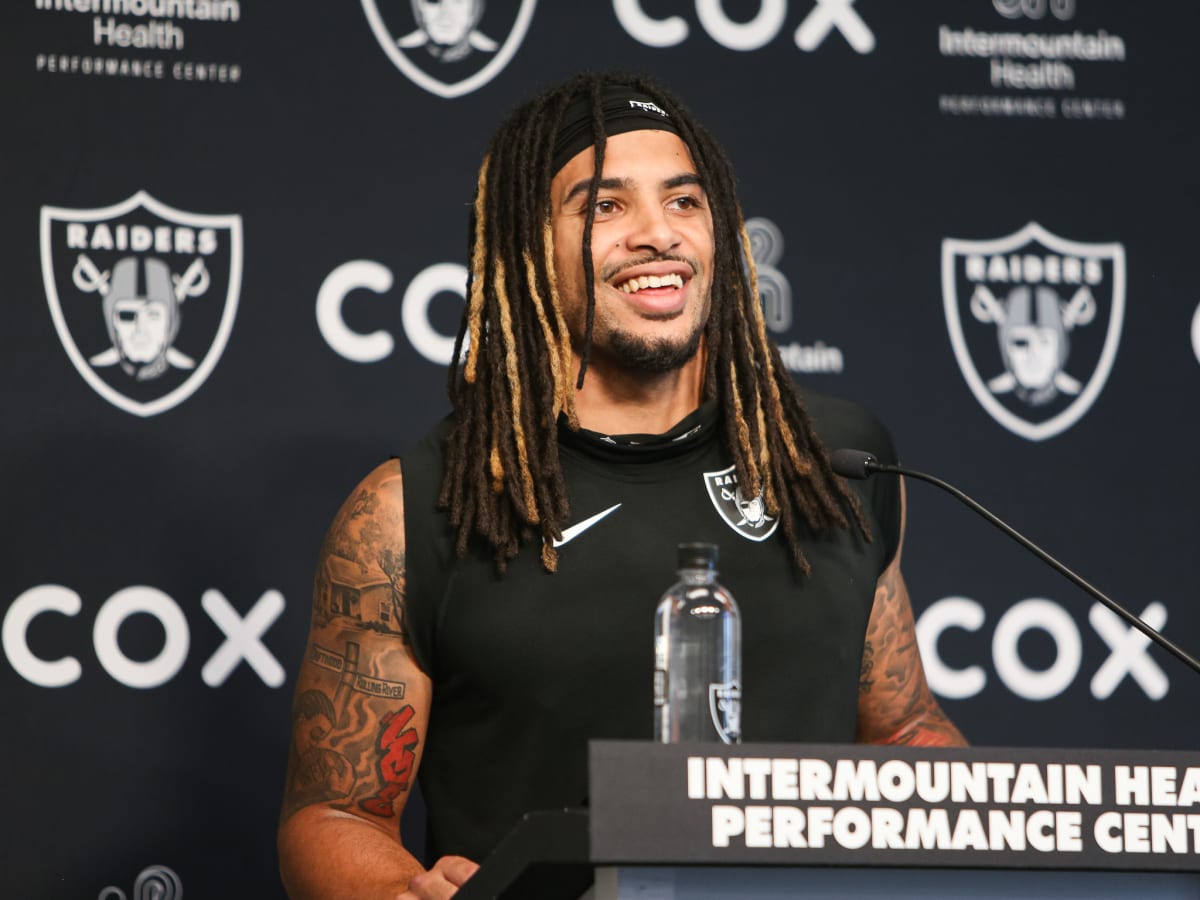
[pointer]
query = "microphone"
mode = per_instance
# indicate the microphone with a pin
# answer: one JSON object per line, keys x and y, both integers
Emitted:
{"x": 859, "y": 464}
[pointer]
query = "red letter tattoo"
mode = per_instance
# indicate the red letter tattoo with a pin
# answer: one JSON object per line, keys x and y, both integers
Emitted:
{"x": 395, "y": 766}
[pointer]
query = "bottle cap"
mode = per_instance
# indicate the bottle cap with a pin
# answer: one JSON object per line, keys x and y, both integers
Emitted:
{"x": 698, "y": 556}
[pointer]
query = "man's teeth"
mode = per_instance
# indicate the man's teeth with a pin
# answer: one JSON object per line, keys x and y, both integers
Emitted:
{"x": 651, "y": 281}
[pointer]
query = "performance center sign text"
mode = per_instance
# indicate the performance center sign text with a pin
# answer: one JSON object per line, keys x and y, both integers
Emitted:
{"x": 797, "y": 804}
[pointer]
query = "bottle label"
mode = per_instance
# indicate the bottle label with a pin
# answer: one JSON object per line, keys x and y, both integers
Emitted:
{"x": 725, "y": 704}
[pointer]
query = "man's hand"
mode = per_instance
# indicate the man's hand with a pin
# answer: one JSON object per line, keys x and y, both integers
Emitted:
{"x": 443, "y": 880}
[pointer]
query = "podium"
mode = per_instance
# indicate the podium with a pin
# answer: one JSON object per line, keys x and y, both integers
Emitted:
{"x": 669, "y": 822}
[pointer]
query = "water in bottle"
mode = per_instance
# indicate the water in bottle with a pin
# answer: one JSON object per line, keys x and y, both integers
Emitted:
{"x": 697, "y": 653}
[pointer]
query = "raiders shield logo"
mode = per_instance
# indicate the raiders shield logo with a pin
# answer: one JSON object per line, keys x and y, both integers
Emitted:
{"x": 449, "y": 47}
{"x": 1035, "y": 321}
{"x": 143, "y": 296}
{"x": 725, "y": 705}
{"x": 747, "y": 517}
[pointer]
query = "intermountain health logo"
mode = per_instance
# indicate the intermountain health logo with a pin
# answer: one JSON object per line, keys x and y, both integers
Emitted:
{"x": 1035, "y": 321}
{"x": 143, "y": 296}
{"x": 449, "y": 47}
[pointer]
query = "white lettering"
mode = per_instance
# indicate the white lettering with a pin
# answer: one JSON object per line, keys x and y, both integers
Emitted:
{"x": 358, "y": 273}
{"x": 896, "y": 781}
{"x": 1130, "y": 654}
{"x": 751, "y": 35}
{"x": 855, "y": 781}
{"x": 949, "y": 612}
{"x": 969, "y": 833}
{"x": 414, "y": 310}
{"x": 170, "y": 659}
{"x": 767, "y": 22}
{"x": 695, "y": 777}
{"x": 785, "y": 779}
{"x": 243, "y": 638}
{"x": 652, "y": 32}
{"x": 851, "y": 827}
{"x": 815, "y": 776}
{"x": 1132, "y": 785}
{"x": 757, "y": 771}
{"x": 31, "y": 604}
{"x": 1020, "y": 679}
{"x": 789, "y": 827}
{"x": 838, "y": 14}
{"x": 758, "y": 826}
{"x": 724, "y": 778}
{"x": 820, "y": 825}
{"x": 727, "y": 822}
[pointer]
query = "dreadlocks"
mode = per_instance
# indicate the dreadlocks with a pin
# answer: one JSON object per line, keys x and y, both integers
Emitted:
{"x": 503, "y": 479}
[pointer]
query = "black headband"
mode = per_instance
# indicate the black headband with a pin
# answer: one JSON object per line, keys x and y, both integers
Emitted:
{"x": 623, "y": 109}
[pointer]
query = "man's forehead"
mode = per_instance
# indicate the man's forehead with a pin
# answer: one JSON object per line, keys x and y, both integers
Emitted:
{"x": 630, "y": 158}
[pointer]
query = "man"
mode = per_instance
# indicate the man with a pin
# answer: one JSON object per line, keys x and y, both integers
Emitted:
{"x": 619, "y": 396}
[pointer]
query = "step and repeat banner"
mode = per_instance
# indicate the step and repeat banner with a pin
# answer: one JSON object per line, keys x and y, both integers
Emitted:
{"x": 233, "y": 235}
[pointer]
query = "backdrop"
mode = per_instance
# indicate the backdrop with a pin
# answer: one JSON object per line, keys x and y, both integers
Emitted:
{"x": 975, "y": 216}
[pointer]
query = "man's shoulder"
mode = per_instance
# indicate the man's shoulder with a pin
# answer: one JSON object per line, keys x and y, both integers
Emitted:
{"x": 846, "y": 423}
{"x": 428, "y": 451}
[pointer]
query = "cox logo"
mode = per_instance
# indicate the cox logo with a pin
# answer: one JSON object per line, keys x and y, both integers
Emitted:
{"x": 243, "y": 637}
{"x": 1196, "y": 333}
{"x": 820, "y": 22}
{"x": 414, "y": 310}
{"x": 1035, "y": 9}
{"x": 1127, "y": 649}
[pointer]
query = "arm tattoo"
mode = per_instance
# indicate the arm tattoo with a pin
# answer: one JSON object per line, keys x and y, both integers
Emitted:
{"x": 345, "y": 751}
{"x": 361, "y": 573}
{"x": 895, "y": 703}
{"x": 865, "y": 682}
{"x": 355, "y": 732}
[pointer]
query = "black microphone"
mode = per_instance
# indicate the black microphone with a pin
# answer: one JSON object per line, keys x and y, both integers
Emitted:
{"x": 860, "y": 464}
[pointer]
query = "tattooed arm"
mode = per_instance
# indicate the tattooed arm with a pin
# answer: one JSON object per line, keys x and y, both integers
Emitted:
{"x": 360, "y": 716}
{"x": 895, "y": 705}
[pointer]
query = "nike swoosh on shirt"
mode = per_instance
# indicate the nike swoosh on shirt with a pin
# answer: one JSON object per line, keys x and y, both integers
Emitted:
{"x": 569, "y": 534}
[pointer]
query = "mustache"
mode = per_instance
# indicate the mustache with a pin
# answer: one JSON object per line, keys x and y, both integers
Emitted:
{"x": 607, "y": 273}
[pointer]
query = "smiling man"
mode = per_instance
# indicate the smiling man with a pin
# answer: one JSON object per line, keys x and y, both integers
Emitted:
{"x": 485, "y": 607}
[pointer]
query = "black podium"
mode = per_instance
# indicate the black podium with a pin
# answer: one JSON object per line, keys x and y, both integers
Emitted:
{"x": 669, "y": 822}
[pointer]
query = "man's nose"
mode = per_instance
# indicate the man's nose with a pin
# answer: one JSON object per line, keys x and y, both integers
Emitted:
{"x": 652, "y": 229}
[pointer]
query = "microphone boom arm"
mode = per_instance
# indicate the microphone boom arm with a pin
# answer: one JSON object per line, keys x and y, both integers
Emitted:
{"x": 869, "y": 465}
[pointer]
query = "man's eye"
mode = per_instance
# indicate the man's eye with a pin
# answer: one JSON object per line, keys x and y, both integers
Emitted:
{"x": 606, "y": 206}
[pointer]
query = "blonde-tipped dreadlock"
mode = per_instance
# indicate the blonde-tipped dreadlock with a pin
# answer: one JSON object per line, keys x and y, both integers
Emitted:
{"x": 503, "y": 480}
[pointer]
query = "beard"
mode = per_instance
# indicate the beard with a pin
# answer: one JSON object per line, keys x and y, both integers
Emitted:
{"x": 656, "y": 356}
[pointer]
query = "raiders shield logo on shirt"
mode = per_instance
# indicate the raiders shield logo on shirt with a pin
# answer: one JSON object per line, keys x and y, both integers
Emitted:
{"x": 748, "y": 517}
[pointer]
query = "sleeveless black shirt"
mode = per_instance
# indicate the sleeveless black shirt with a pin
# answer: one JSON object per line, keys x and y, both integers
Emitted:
{"x": 528, "y": 666}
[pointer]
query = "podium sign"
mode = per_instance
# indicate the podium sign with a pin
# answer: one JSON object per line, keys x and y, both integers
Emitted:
{"x": 859, "y": 805}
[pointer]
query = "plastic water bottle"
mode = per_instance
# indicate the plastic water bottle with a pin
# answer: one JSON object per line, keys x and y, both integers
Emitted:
{"x": 697, "y": 655}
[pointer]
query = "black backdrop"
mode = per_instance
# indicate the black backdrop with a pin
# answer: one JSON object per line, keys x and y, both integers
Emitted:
{"x": 160, "y": 531}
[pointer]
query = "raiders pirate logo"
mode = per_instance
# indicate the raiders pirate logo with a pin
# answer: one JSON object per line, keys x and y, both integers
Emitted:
{"x": 1035, "y": 321}
{"x": 449, "y": 47}
{"x": 143, "y": 296}
{"x": 747, "y": 517}
{"x": 725, "y": 706}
